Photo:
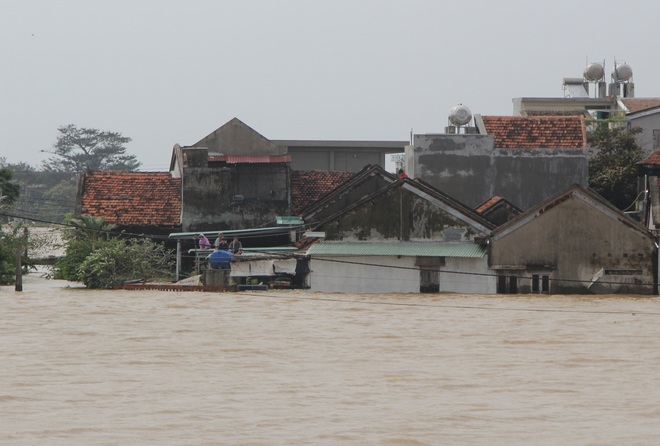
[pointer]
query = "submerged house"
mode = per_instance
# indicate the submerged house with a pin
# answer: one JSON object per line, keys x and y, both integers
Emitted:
{"x": 382, "y": 234}
{"x": 232, "y": 178}
{"x": 574, "y": 242}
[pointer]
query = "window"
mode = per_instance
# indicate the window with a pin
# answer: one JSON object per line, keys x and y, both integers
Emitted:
{"x": 545, "y": 285}
{"x": 513, "y": 285}
{"x": 535, "y": 283}
{"x": 540, "y": 284}
{"x": 507, "y": 284}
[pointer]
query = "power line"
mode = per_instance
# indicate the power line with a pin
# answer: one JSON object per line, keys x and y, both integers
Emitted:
{"x": 285, "y": 231}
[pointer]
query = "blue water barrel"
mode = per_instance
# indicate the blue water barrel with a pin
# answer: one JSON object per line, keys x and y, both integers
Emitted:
{"x": 221, "y": 259}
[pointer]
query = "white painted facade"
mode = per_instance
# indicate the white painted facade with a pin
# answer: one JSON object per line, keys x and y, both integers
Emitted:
{"x": 390, "y": 274}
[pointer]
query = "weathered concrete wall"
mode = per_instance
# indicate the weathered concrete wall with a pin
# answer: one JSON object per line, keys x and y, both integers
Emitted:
{"x": 237, "y": 197}
{"x": 471, "y": 170}
{"x": 334, "y": 159}
{"x": 341, "y": 156}
{"x": 398, "y": 215}
{"x": 572, "y": 242}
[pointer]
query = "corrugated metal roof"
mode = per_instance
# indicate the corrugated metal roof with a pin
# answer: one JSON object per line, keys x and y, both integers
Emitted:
{"x": 408, "y": 249}
{"x": 250, "y": 159}
{"x": 277, "y": 230}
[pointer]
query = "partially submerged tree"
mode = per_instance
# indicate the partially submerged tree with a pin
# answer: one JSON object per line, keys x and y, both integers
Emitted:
{"x": 613, "y": 169}
{"x": 88, "y": 234}
{"x": 78, "y": 149}
{"x": 120, "y": 261}
{"x": 99, "y": 259}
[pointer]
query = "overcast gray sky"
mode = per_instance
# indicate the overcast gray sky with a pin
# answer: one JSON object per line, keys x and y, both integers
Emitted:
{"x": 169, "y": 71}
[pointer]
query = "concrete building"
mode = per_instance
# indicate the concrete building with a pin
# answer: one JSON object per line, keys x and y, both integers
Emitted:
{"x": 338, "y": 156}
{"x": 645, "y": 114}
{"x": 523, "y": 159}
{"x": 384, "y": 234}
{"x": 574, "y": 242}
{"x": 233, "y": 178}
{"x": 592, "y": 98}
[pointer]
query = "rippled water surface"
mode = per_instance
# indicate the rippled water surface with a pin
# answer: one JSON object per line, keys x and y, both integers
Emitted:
{"x": 287, "y": 367}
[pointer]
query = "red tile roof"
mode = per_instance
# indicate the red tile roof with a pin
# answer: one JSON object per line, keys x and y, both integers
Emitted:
{"x": 652, "y": 159}
{"x": 488, "y": 204}
{"x": 133, "y": 198}
{"x": 554, "y": 132}
{"x": 309, "y": 186}
{"x": 638, "y": 104}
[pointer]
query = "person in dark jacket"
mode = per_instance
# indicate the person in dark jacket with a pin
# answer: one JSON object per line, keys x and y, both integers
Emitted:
{"x": 236, "y": 247}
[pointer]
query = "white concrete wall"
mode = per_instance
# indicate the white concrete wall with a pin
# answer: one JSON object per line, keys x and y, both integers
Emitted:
{"x": 336, "y": 277}
{"x": 396, "y": 275}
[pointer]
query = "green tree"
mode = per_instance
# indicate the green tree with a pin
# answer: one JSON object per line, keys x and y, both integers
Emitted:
{"x": 78, "y": 149}
{"x": 613, "y": 168}
{"x": 121, "y": 261}
{"x": 88, "y": 234}
{"x": 9, "y": 189}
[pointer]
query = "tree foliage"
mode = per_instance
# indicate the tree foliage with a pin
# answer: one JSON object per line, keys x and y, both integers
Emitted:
{"x": 9, "y": 189}
{"x": 87, "y": 235}
{"x": 120, "y": 261}
{"x": 98, "y": 260}
{"x": 613, "y": 169}
{"x": 78, "y": 149}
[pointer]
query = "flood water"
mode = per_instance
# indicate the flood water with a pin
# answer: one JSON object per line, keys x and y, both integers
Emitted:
{"x": 296, "y": 368}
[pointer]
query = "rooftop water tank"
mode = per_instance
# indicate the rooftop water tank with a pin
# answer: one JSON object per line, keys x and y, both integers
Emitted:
{"x": 460, "y": 115}
{"x": 594, "y": 72}
{"x": 622, "y": 72}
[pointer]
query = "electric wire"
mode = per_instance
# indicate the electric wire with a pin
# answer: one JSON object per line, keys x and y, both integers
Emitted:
{"x": 285, "y": 231}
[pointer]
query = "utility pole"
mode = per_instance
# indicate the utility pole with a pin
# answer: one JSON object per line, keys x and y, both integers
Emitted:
{"x": 21, "y": 248}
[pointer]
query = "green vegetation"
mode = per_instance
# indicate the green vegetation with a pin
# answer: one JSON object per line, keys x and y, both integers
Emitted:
{"x": 613, "y": 169}
{"x": 8, "y": 246}
{"x": 9, "y": 189}
{"x": 99, "y": 261}
{"x": 119, "y": 261}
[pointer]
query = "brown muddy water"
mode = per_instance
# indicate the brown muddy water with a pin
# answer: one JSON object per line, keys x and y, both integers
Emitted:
{"x": 295, "y": 368}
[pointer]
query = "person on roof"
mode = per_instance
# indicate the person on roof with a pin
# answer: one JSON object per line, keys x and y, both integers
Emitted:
{"x": 203, "y": 242}
{"x": 221, "y": 243}
{"x": 236, "y": 247}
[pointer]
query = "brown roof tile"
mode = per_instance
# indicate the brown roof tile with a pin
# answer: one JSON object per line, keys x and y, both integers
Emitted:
{"x": 652, "y": 159}
{"x": 309, "y": 186}
{"x": 487, "y": 204}
{"x": 133, "y": 198}
{"x": 638, "y": 104}
{"x": 554, "y": 132}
